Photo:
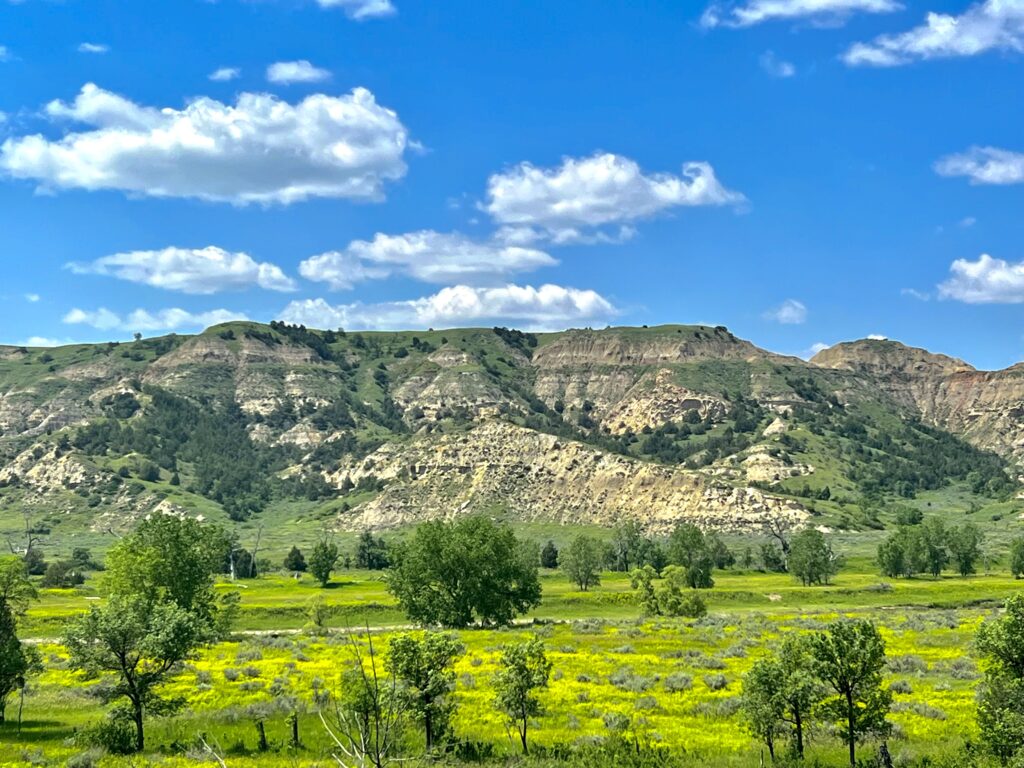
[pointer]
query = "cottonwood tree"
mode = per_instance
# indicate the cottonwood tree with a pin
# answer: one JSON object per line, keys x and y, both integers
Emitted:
{"x": 16, "y": 661}
{"x": 549, "y": 555}
{"x": 1001, "y": 697}
{"x": 581, "y": 562}
{"x": 811, "y": 558}
{"x": 965, "y": 544}
{"x": 780, "y": 693}
{"x": 524, "y": 669}
{"x": 140, "y": 644}
{"x": 1017, "y": 557}
{"x": 933, "y": 555}
{"x": 171, "y": 559}
{"x": 425, "y": 666}
{"x": 453, "y": 574}
{"x": 849, "y": 657}
{"x": 322, "y": 560}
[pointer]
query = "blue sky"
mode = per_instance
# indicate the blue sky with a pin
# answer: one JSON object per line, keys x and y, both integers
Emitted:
{"x": 803, "y": 171}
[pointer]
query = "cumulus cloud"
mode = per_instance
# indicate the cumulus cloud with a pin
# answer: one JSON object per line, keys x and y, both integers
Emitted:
{"x": 877, "y": 337}
{"x": 260, "y": 150}
{"x": 815, "y": 348}
{"x": 93, "y": 48}
{"x": 789, "y": 312}
{"x": 775, "y": 66}
{"x": 145, "y": 320}
{"x": 287, "y": 72}
{"x": 985, "y": 281}
{"x": 189, "y": 270}
{"x": 571, "y": 202}
{"x": 752, "y": 12}
{"x": 224, "y": 74}
{"x": 32, "y": 298}
{"x": 428, "y": 256}
{"x": 5, "y": 53}
{"x": 361, "y": 9}
{"x": 548, "y": 306}
{"x": 984, "y": 165}
{"x": 987, "y": 26}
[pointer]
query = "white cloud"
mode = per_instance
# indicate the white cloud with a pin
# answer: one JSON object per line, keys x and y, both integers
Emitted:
{"x": 261, "y": 150}
{"x": 549, "y": 306}
{"x": 43, "y": 341}
{"x": 987, "y": 26}
{"x": 569, "y": 203}
{"x": 877, "y": 337}
{"x": 984, "y": 165}
{"x": 775, "y": 66}
{"x": 985, "y": 281}
{"x": 432, "y": 257}
{"x": 815, "y": 348}
{"x": 914, "y": 293}
{"x": 967, "y": 222}
{"x": 286, "y": 72}
{"x": 32, "y": 298}
{"x": 751, "y": 12}
{"x": 5, "y": 53}
{"x": 189, "y": 270}
{"x": 144, "y": 320}
{"x": 361, "y": 9}
{"x": 224, "y": 74}
{"x": 789, "y": 312}
{"x": 93, "y": 48}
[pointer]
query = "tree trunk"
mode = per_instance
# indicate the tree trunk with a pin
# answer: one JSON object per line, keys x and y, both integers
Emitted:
{"x": 429, "y": 726}
{"x": 850, "y": 718}
{"x": 261, "y": 732}
{"x": 799, "y": 724}
{"x": 295, "y": 729}
{"x": 140, "y": 734}
{"x": 522, "y": 736}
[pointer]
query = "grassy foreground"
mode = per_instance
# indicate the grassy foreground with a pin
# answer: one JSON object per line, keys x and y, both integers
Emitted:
{"x": 672, "y": 683}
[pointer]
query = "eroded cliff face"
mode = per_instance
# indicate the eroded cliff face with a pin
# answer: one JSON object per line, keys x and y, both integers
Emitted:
{"x": 984, "y": 407}
{"x": 536, "y": 477}
{"x": 444, "y": 404}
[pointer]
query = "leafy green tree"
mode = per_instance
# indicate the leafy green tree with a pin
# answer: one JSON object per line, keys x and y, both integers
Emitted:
{"x": 1017, "y": 557}
{"x": 932, "y": 543}
{"x": 425, "y": 665}
{"x": 811, "y": 558}
{"x": 699, "y": 571}
{"x": 686, "y": 544}
{"x": 780, "y": 694}
{"x": 671, "y": 597}
{"x": 582, "y": 562}
{"x": 898, "y": 554}
{"x": 849, "y": 657}
{"x": 1001, "y": 696}
{"x": 139, "y": 644}
{"x": 524, "y": 668}
{"x": 642, "y": 581}
{"x": 295, "y": 561}
{"x": 965, "y": 544}
{"x": 371, "y": 552}
{"x": 167, "y": 558}
{"x": 720, "y": 553}
{"x": 453, "y": 574}
{"x": 628, "y": 545}
{"x": 761, "y": 703}
{"x": 549, "y": 555}
{"x": 14, "y": 661}
{"x": 16, "y": 591}
{"x": 322, "y": 560}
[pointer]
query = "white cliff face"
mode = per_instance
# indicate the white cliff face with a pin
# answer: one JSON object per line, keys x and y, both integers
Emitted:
{"x": 538, "y": 477}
